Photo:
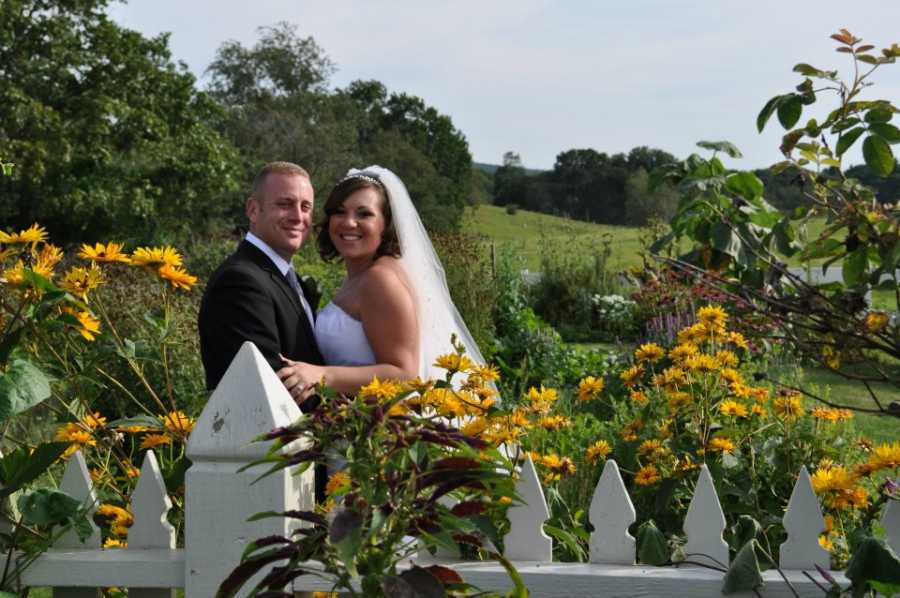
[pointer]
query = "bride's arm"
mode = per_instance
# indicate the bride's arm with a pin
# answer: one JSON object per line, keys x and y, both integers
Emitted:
{"x": 388, "y": 314}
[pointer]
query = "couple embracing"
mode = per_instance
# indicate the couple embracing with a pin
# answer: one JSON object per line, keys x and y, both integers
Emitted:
{"x": 391, "y": 316}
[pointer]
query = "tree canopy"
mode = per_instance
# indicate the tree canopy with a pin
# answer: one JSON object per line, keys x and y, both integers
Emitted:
{"x": 108, "y": 134}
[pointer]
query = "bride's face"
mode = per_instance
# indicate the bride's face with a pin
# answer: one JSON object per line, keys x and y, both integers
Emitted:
{"x": 356, "y": 228}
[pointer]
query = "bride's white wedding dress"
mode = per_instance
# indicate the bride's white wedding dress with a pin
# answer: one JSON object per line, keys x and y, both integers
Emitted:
{"x": 341, "y": 338}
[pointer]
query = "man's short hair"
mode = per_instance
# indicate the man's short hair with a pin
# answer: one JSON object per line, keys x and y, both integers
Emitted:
{"x": 275, "y": 168}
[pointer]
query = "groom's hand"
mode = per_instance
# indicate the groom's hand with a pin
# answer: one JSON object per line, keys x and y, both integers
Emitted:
{"x": 298, "y": 378}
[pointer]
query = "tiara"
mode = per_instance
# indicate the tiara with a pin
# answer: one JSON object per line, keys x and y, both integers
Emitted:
{"x": 362, "y": 176}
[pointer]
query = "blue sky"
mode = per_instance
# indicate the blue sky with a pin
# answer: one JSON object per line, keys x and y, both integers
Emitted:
{"x": 540, "y": 77}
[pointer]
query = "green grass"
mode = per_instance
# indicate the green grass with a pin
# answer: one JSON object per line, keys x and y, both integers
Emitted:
{"x": 527, "y": 230}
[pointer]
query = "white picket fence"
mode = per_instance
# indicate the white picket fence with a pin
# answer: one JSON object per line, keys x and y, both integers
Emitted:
{"x": 251, "y": 401}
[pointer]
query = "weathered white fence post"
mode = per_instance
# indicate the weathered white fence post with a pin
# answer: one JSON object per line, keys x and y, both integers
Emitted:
{"x": 705, "y": 523}
{"x": 150, "y": 505}
{"x": 526, "y": 540}
{"x": 249, "y": 401}
{"x": 76, "y": 481}
{"x": 803, "y": 523}
{"x": 890, "y": 521}
{"x": 611, "y": 514}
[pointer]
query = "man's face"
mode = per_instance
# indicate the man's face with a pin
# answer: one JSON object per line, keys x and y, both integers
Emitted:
{"x": 282, "y": 215}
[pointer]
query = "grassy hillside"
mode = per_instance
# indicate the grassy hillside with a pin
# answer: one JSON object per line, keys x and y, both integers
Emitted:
{"x": 527, "y": 230}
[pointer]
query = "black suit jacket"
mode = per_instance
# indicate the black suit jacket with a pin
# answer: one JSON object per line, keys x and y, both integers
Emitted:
{"x": 247, "y": 299}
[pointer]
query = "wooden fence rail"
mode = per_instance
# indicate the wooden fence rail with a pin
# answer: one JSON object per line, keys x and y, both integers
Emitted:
{"x": 251, "y": 401}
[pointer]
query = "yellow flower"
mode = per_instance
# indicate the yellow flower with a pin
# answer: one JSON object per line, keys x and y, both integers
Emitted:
{"x": 33, "y": 235}
{"x": 485, "y": 373}
{"x": 727, "y": 359}
{"x": 505, "y": 500}
{"x": 731, "y": 375}
{"x": 712, "y": 316}
{"x": 678, "y": 398}
{"x": 683, "y": 351}
{"x": 121, "y": 516}
{"x": 639, "y": 397}
{"x": 115, "y": 543}
{"x": 876, "y": 321}
{"x": 733, "y": 408}
{"x": 454, "y": 362}
{"x": 757, "y": 409}
{"x": 475, "y": 426}
{"x": 94, "y": 421}
{"x": 649, "y": 352}
{"x": 177, "y": 277}
{"x": 826, "y": 543}
{"x": 647, "y": 476}
{"x": 380, "y": 390}
{"x": 694, "y": 334}
{"x": 80, "y": 281}
{"x": 14, "y": 275}
{"x": 557, "y": 464}
{"x": 648, "y": 447}
{"x": 672, "y": 378}
{"x": 588, "y": 388}
{"x": 830, "y": 479}
{"x": 75, "y": 433}
{"x": 90, "y": 326}
{"x": 724, "y": 445}
{"x": 629, "y": 432}
{"x": 156, "y": 257}
{"x": 827, "y": 414}
{"x": 789, "y": 406}
{"x": 554, "y": 422}
{"x": 153, "y": 440}
{"x": 339, "y": 482}
{"x": 131, "y": 471}
{"x": 178, "y": 423}
{"x": 737, "y": 339}
{"x": 631, "y": 376}
{"x": 831, "y": 357}
{"x": 884, "y": 456}
{"x": 46, "y": 260}
{"x": 598, "y": 450}
{"x": 111, "y": 252}
{"x": 134, "y": 429}
{"x": 544, "y": 395}
{"x": 701, "y": 363}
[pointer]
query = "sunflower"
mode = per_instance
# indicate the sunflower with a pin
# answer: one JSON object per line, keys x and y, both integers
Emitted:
{"x": 712, "y": 316}
{"x": 733, "y": 409}
{"x": 89, "y": 325}
{"x": 380, "y": 389}
{"x": 339, "y": 482}
{"x": 631, "y": 376}
{"x": 178, "y": 423}
{"x": 649, "y": 352}
{"x": 80, "y": 281}
{"x": 454, "y": 362}
{"x": 588, "y": 388}
{"x": 156, "y": 257}
{"x": 33, "y": 235}
{"x": 647, "y": 476}
{"x": 598, "y": 450}
{"x": 154, "y": 440}
{"x": 177, "y": 277}
{"x": 789, "y": 406}
{"x": 724, "y": 445}
{"x": 109, "y": 253}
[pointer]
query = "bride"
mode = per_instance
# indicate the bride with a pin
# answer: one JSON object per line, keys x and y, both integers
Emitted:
{"x": 393, "y": 314}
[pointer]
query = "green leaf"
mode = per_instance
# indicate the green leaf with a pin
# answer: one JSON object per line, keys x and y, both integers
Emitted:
{"x": 423, "y": 583}
{"x": 789, "y": 110}
{"x": 745, "y": 530}
{"x": 345, "y": 534}
{"x": 47, "y": 507}
{"x": 22, "y": 466}
{"x": 854, "y": 267}
{"x": 766, "y": 113}
{"x": 725, "y": 240}
{"x": 886, "y": 131}
{"x": 147, "y": 421}
{"x": 879, "y": 114}
{"x": 885, "y": 589}
{"x": 569, "y": 540}
{"x": 7, "y": 168}
{"x": 743, "y": 575}
{"x": 745, "y": 184}
{"x": 652, "y": 548}
{"x": 721, "y": 146}
{"x": 808, "y": 70}
{"x": 878, "y": 155}
{"x": 873, "y": 561}
{"x": 22, "y": 387}
{"x": 848, "y": 139}
{"x": 519, "y": 590}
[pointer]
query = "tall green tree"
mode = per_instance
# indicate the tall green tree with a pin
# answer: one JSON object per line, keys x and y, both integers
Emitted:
{"x": 109, "y": 136}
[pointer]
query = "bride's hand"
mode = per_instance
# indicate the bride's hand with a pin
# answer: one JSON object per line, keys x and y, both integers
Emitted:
{"x": 300, "y": 378}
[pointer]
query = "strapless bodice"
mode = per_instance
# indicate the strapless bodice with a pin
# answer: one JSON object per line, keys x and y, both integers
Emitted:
{"x": 341, "y": 338}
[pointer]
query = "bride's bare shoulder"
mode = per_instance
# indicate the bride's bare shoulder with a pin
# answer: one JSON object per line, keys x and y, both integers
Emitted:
{"x": 386, "y": 272}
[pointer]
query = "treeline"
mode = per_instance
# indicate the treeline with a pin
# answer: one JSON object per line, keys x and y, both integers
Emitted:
{"x": 111, "y": 137}
{"x": 616, "y": 189}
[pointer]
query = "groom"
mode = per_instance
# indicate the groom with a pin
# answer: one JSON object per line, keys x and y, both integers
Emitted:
{"x": 255, "y": 295}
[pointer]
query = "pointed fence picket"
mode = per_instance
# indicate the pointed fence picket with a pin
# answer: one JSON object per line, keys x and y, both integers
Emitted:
{"x": 219, "y": 499}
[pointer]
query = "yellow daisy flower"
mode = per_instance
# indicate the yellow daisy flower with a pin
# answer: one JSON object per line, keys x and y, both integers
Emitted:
{"x": 588, "y": 388}
{"x": 598, "y": 450}
{"x": 177, "y": 277}
{"x": 647, "y": 476}
{"x": 109, "y": 253}
{"x": 153, "y": 440}
{"x": 156, "y": 257}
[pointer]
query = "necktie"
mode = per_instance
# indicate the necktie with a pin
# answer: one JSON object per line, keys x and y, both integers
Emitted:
{"x": 295, "y": 284}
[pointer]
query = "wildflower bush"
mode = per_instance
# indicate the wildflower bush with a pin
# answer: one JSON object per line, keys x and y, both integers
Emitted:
{"x": 69, "y": 372}
{"x": 615, "y": 318}
{"x": 405, "y": 477}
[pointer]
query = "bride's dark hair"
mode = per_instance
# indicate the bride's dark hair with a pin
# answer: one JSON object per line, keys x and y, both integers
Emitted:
{"x": 390, "y": 244}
